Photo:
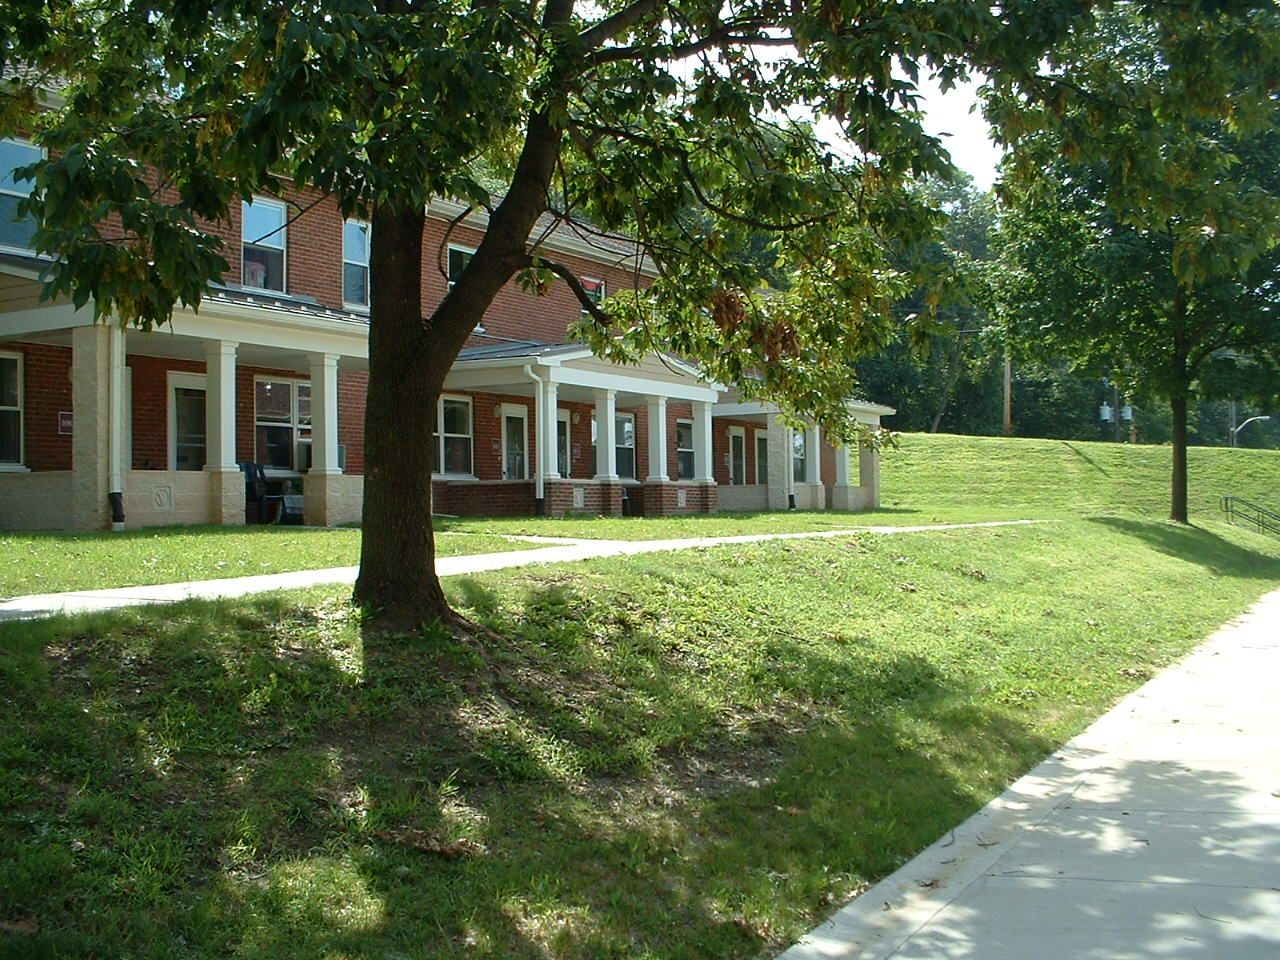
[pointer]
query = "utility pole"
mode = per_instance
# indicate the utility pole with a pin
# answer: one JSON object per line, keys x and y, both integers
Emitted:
{"x": 1008, "y": 396}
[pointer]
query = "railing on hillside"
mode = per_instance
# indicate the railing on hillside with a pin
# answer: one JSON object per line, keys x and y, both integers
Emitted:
{"x": 1262, "y": 518}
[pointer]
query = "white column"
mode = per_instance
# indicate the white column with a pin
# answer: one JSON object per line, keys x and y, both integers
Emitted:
{"x": 658, "y": 438}
{"x": 606, "y": 435}
{"x": 220, "y": 406}
{"x": 813, "y": 455}
{"x": 115, "y": 407}
{"x": 324, "y": 413}
{"x": 869, "y": 475}
{"x": 549, "y": 427}
{"x": 844, "y": 475}
{"x": 702, "y": 441}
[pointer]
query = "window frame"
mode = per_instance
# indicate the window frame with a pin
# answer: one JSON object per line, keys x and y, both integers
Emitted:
{"x": 762, "y": 478}
{"x": 737, "y": 433}
{"x": 294, "y": 424}
{"x": 563, "y": 416}
{"x": 283, "y": 233}
{"x": 448, "y": 261}
{"x": 440, "y": 436}
{"x": 618, "y": 445}
{"x": 21, "y": 142}
{"x": 597, "y": 290}
{"x": 680, "y": 421}
{"x": 356, "y": 305}
{"x": 803, "y": 459}
{"x": 19, "y": 465}
{"x": 178, "y": 379}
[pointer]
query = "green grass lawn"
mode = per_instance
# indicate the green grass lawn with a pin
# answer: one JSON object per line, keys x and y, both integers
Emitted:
{"x": 53, "y": 562}
{"x": 679, "y": 755}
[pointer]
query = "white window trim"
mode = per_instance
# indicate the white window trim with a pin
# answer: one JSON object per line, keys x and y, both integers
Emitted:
{"x": 679, "y": 449}
{"x": 4, "y": 247}
{"x": 352, "y": 305}
{"x": 186, "y": 381}
{"x": 283, "y": 233}
{"x": 604, "y": 290}
{"x": 522, "y": 412}
{"x": 757, "y": 435}
{"x": 20, "y": 465}
{"x": 471, "y": 419}
{"x": 449, "y": 281}
{"x": 563, "y": 416}
{"x": 741, "y": 433}
{"x": 279, "y": 472}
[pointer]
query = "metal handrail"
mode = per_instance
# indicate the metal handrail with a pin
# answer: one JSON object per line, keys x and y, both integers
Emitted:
{"x": 1265, "y": 520}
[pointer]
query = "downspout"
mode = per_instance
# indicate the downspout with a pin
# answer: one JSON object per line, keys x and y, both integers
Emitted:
{"x": 115, "y": 427}
{"x": 540, "y": 420}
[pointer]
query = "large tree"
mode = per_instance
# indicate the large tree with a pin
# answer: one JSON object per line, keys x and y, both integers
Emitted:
{"x": 663, "y": 118}
{"x": 1152, "y": 257}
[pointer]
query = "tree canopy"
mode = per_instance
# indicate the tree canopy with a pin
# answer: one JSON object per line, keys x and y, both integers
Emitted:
{"x": 671, "y": 120}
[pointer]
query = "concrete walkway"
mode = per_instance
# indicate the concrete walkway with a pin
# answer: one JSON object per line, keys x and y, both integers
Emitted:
{"x": 1155, "y": 833}
{"x": 562, "y": 550}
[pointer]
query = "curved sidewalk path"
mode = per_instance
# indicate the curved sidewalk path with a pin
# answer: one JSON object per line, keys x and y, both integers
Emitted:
{"x": 563, "y": 551}
{"x": 1155, "y": 833}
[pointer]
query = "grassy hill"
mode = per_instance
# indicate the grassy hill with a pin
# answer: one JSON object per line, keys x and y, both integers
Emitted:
{"x": 1067, "y": 477}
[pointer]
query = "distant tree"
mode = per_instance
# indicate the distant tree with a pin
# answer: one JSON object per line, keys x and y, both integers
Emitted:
{"x": 1140, "y": 241}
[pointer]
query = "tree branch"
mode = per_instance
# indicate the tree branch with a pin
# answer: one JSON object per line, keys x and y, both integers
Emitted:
{"x": 619, "y": 23}
{"x": 579, "y": 291}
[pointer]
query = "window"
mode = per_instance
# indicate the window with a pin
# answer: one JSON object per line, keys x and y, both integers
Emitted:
{"x": 737, "y": 456}
{"x": 15, "y": 230}
{"x": 355, "y": 263}
{"x": 625, "y": 449}
{"x": 10, "y": 408}
{"x": 263, "y": 250}
{"x": 799, "y": 454}
{"x": 459, "y": 257}
{"x": 453, "y": 450}
{"x": 563, "y": 463}
{"x": 624, "y": 445}
{"x": 282, "y": 424}
{"x": 187, "y": 442}
{"x": 762, "y": 458}
{"x": 595, "y": 290}
{"x": 684, "y": 449}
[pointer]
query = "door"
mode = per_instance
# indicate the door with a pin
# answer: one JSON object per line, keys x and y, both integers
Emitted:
{"x": 515, "y": 458}
{"x": 737, "y": 456}
{"x": 762, "y": 458}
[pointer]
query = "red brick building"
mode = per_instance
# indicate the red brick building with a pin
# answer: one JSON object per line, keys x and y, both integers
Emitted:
{"x": 272, "y": 372}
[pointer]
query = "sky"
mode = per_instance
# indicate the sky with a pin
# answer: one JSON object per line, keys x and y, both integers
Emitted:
{"x": 964, "y": 133}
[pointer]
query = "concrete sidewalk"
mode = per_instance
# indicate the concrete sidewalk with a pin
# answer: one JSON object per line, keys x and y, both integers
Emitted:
{"x": 1155, "y": 833}
{"x": 564, "y": 550}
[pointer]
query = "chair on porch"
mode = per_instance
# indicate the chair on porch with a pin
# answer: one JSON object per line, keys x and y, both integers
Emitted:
{"x": 259, "y": 506}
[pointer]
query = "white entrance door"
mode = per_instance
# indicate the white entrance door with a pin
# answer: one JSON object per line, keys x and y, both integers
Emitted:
{"x": 737, "y": 456}
{"x": 515, "y": 445}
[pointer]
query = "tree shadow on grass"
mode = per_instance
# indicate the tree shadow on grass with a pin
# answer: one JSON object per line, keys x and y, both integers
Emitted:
{"x": 1082, "y": 455}
{"x": 243, "y": 778}
{"x": 1196, "y": 545}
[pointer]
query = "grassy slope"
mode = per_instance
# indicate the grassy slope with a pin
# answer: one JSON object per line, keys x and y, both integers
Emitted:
{"x": 50, "y": 563}
{"x": 679, "y": 755}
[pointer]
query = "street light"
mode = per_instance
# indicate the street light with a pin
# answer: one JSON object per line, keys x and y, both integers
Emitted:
{"x": 1236, "y": 430}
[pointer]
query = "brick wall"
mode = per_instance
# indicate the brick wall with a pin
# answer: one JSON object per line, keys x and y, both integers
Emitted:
{"x": 464, "y": 498}
{"x": 46, "y": 388}
{"x": 720, "y": 448}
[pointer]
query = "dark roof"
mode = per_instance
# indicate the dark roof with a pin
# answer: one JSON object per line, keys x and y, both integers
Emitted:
{"x": 513, "y": 349}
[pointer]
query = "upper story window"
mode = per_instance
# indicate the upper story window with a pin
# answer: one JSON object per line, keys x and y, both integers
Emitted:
{"x": 264, "y": 246}
{"x": 459, "y": 257}
{"x": 595, "y": 290}
{"x": 355, "y": 264}
{"x": 15, "y": 231}
{"x": 10, "y": 409}
{"x": 282, "y": 424}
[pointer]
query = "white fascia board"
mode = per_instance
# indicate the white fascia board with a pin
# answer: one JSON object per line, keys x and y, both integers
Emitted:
{"x": 272, "y": 328}
{"x": 59, "y": 316}
{"x": 625, "y": 383}
{"x": 753, "y": 409}
{"x": 879, "y": 409}
{"x": 560, "y": 240}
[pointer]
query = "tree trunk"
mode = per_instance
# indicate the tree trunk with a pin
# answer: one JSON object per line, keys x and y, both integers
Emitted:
{"x": 949, "y": 386}
{"x": 397, "y": 582}
{"x": 1178, "y": 483}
